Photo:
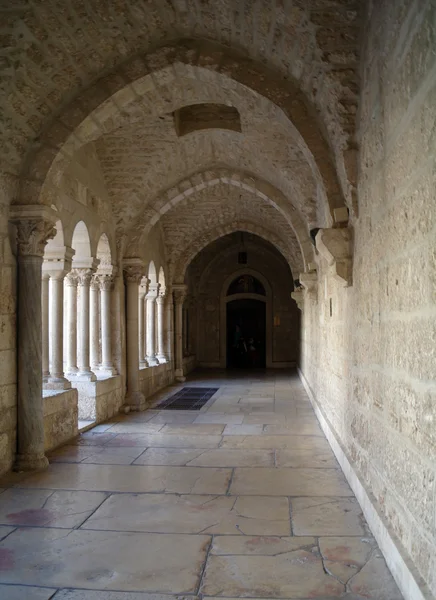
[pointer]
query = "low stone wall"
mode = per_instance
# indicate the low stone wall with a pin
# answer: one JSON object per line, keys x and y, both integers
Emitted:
{"x": 99, "y": 400}
{"x": 153, "y": 379}
{"x": 60, "y": 417}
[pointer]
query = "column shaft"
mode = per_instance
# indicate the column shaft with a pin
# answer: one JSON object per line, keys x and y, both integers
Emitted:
{"x": 106, "y": 329}
{"x": 71, "y": 330}
{"x": 135, "y": 398}
{"x": 45, "y": 318}
{"x": 84, "y": 373}
{"x": 57, "y": 379}
{"x": 179, "y": 297}
{"x": 161, "y": 355}
{"x": 94, "y": 325}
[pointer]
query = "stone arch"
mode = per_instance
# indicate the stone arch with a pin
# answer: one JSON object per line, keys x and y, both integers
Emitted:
{"x": 245, "y": 180}
{"x": 224, "y": 299}
{"x": 285, "y": 93}
{"x": 210, "y": 236}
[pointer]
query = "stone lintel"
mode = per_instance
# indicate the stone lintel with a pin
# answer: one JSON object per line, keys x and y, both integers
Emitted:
{"x": 334, "y": 245}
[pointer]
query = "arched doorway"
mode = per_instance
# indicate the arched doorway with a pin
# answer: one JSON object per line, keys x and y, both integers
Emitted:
{"x": 246, "y": 334}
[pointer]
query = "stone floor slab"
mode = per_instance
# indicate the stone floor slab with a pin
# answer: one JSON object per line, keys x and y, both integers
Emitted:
{"x": 117, "y": 478}
{"x": 294, "y": 427}
{"x": 168, "y": 456}
{"x": 243, "y": 430}
{"x": 306, "y": 457}
{"x": 4, "y": 531}
{"x": 291, "y": 574}
{"x": 167, "y": 513}
{"x": 159, "y": 440}
{"x": 99, "y": 595}
{"x": 220, "y": 418}
{"x": 327, "y": 516}
{"x": 273, "y": 441}
{"x": 104, "y": 560}
{"x": 21, "y": 592}
{"x": 229, "y": 457}
{"x": 345, "y": 556}
{"x": 374, "y": 580}
{"x": 114, "y": 456}
{"x": 136, "y": 427}
{"x": 169, "y": 417}
{"x": 289, "y": 482}
{"x": 194, "y": 429}
{"x": 45, "y": 508}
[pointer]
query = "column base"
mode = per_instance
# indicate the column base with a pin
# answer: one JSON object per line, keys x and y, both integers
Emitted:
{"x": 152, "y": 361}
{"x": 143, "y": 364}
{"x": 72, "y": 372}
{"x": 31, "y": 462}
{"x": 179, "y": 376}
{"x": 57, "y": 383}
{"x": 136, "y": 401}
{"x": 162, "y": 358}
{"x": 108, "y": 371}
{"x": 85, "y": 376}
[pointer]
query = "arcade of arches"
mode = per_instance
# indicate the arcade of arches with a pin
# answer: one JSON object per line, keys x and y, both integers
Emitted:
{"x": 241, "y": 194}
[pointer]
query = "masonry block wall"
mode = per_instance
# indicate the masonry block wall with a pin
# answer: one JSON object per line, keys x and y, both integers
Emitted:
{"x": 371, "y": 363}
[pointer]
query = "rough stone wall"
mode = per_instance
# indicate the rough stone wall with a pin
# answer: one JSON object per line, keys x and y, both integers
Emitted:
{"x": 8, "y": 395}
{"x": 372, "y": 364}
{"x": 207, "y": 275}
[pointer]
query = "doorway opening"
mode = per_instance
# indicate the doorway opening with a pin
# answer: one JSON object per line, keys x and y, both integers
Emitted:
{"x": 246, "y": 334}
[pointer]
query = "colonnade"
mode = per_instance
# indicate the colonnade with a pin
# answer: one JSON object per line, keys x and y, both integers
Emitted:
{"x": 85, "y": 316}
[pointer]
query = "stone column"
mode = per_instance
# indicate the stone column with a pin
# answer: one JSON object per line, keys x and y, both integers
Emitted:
{"x": 143, "y": 289}
{"x": 45, "y": 315}
{"x": 84, "y": 281}
{"x": 161, "y": 356}
{"x": 71, "y": 330}
{"x": 133, "y": 273}
{"x": 179, "y": 293}
{"x": 106, "y": 285}
{"x": 151, "y": 321}
{"x": 33, "y": 232}
{"x": 94, "y": 324}
{"x": 57, "y": 379}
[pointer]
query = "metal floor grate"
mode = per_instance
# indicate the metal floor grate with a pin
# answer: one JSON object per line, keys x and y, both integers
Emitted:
{"x": 188, "y": 398}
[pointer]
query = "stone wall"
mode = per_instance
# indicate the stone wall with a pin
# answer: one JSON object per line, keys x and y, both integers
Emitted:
{"x": 60, "y": 417}
{"x": 153, "y": 379}
{"x": 371, "y": 362}
{"x": 208, "y": 274}
{"x": 99, "y": 400}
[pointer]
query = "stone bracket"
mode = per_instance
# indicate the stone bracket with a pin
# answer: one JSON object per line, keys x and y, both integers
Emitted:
{"x": 309, "y": 281}
{"x": 335, "y": 246}
{"x": 298, "y": 296}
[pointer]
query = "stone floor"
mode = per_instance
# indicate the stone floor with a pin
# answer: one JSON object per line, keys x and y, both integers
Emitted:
{"x": 241, "y": 499}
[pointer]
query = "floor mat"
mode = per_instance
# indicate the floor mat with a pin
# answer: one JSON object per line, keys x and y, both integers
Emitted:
{"x": 188, "y": 398}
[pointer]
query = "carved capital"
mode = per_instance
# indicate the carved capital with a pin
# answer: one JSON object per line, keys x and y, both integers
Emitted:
{"x": 33, "y": 235}
{"x": 105, "y": 282}
{"x": 71, "y": 279}
{"x": 84, "y": 276}
{"x": 335, "y": 247}
{"x": 133, "y": 273}
{"x": 161, "y": 298}
{"x": 179, "y": 293}
{"x": 298, "y": 296}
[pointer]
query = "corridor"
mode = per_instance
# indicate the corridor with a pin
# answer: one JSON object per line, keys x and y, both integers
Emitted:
{"x": 243, "y": 498}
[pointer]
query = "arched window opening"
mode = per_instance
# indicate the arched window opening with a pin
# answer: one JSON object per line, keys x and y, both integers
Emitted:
{"x": 246, "y": 284}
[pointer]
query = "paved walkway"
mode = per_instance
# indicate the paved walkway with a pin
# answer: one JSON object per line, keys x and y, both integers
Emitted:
{"x": 241, "y": 499}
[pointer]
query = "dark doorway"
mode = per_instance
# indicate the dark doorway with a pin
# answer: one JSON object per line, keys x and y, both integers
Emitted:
{"x": 246, "y": 334}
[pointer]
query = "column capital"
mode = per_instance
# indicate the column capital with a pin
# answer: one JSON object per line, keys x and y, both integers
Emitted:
{"x": 179, "y": 293}
{"x": 133, "y": 269}
{"x": 35, "y": 226}
{"x": 71, "y": 279}
{"x": 143, "y": 287}
{"x": 105, "y": 282}
{"x": 84, "y": 276}
{"x": 161, "y": 298}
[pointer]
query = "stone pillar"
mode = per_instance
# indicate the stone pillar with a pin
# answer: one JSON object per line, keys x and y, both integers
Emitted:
{"x": 161, "y": 355}
{"x": 106, "y": 285}
{"x": 57, "y": 379}
{"x": 179, "y": 293}
{"x": 151, "y": 321}
{"x": 35, "y": 226}
{"x": 71, "y": 330}
{"x": 84, "y": 281}
{"x": 143, "y": 289}
{"x": 94, "y": 324}
{"x": 45, "y": 316}
{"x": 133, "y": 273}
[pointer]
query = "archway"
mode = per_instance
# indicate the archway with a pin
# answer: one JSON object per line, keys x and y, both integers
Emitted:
{"x": 246, "y": 333}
